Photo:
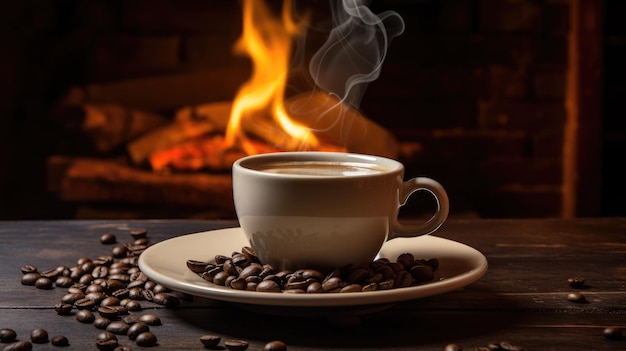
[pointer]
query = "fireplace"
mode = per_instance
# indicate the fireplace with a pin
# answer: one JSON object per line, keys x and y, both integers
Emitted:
{"x": 482, "y": 95}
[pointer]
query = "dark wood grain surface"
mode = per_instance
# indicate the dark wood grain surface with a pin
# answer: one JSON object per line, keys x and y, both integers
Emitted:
{"x": 522, "y": 299}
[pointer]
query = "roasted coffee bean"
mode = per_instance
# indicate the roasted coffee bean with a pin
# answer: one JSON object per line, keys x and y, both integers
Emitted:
{"x": 576, "y": 297}
{"x": 101, "y": 322}
{"x": 100, "y": 271}
{"x": 351, "y": 288}
{"x": 422, "y": 273}
{"x": 71, "y": 298}
{"x": 406, "y": 259}
{"x": 507, "y": 346}
{"x": 220, "y": 278}
{"x": 613, "y": 333}
{"x": 210, "y": 341}
{"x": 314, "y": 288}
{"x": 268, "y": 286}
{"x": 576, "y": 282}
{"x": 137, "y": 328}
{"x": 166, "y": 300}
{"x": 275, "y": 345}
{"x": 133, "y": 305}
{"x": 122, "y": 348}
{"x": 135, "y": 293}
{"x": 241, "y": 260}
{"x": 386, "y": 284}
{"x": 130, "y": 319}
{"x": 150, "y": 319}
{"x": 28, "y": 268}
{"x": 85, "y": 316}
{"x": 331, "y": 284}
{"x": 63, "y": 282}
{"x": 357, "y": 275}
{"x": 119, "y": 251}
{"x": 252, "y": 270}
{"x": 7, "y": 335}
{"x": 107, "y": 345}
{"x": 110, "y": 301}
{"x": 197, "y": 266}
{"x": 52, "y": 274}
{"x": 108, "y": 312}
{"x": 148, "y": 295}
{"x": 19, "y": 346}
{"x": 63, "y": 309}
{"x": 96, "y": 297}
{"x": 59, "y": 340}
{"x": 370, "y": 287}
{"x": 453, "y": 347}
{"x": 403, "y": 279}
{"x": 30, "y": 278}
{"x": 118, "y": 327}
{"x": 146, "y": 339}
{"x": 108, "y": 238}
{"x": 120, "y": 294}
{"x": 39, "y": 336}
{"x": 142, "y": 241}
{"x": 114, "y": 285}
{"x": 236, "y": 345}
{"x": 86, "y": 279}
{"x": 77, "y": 288}
{"x": 138, "y": 233}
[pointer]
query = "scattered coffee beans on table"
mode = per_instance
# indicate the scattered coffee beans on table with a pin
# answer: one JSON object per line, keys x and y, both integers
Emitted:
{"x": 275, "y": 345}
{"x": 7, "y": 335}
{"x": 613, "y": 333}
{"x": 59, "y": 340}
{"x": 21, "y": 345}
{"x": 39, "y": 336}
{"x": 576, "y": 282}
{"x": 576, "y": 297}
{"x": 210, "y": 341}
{"x": 244, "y": 271}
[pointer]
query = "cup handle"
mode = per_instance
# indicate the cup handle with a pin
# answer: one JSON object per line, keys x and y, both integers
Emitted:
{"x": 443, "y": 208}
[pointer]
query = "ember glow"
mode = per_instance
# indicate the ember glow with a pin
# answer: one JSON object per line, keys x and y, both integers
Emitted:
{"x": 268, "y": 41}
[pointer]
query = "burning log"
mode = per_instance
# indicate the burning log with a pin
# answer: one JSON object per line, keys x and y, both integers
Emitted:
{"x": 195, "y": 140}
{"x": 168, "y": 136}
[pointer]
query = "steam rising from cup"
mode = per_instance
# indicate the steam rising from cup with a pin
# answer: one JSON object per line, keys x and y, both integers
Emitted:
{"x": 355, "y": 50}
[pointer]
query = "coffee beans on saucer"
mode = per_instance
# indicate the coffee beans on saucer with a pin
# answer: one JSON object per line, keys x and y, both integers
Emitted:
{"x": 244, "y": 271}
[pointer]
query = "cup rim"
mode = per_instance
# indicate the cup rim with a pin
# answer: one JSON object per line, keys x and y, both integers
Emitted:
{"x": 391, "y": 165}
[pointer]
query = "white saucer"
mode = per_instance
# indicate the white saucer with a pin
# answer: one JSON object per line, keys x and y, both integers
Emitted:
{"x": 165, "y": 263}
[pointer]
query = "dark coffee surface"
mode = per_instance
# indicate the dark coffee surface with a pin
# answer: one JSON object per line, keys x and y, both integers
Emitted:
{"x": 321, "y": 168}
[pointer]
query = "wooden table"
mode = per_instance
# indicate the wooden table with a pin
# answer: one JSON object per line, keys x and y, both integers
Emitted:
{"x": 522, "y": 299}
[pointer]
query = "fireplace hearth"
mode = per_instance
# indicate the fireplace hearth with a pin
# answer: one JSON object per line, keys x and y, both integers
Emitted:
{"x": 484, "y": 95}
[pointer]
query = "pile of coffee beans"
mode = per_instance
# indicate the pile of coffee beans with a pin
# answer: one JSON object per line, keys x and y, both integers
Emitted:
{"x": 107, "y": 292}
{"x": 104, "y": 291}
{"x": 244, "y": 271}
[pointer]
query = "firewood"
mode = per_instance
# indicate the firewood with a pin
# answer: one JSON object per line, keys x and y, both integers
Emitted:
{"x": 338, "y": 126}
{"x": 100, "y": 180}
{"x": 165, "y": 137}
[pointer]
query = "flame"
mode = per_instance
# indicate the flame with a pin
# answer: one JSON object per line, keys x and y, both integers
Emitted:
{"x": 268, "y": 42}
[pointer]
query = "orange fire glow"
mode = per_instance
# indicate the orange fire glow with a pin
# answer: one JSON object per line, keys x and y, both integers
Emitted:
{"x": 268, "y": 41}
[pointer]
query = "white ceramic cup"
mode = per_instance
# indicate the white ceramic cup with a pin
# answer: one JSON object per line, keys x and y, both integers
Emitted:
{"x": 299, "y": 211}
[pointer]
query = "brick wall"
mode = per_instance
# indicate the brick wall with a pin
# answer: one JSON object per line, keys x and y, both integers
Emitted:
{"x": 477, "y": 85}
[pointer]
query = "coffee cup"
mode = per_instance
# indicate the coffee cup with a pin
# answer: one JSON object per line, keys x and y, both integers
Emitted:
{"x": 326, "y": 210}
